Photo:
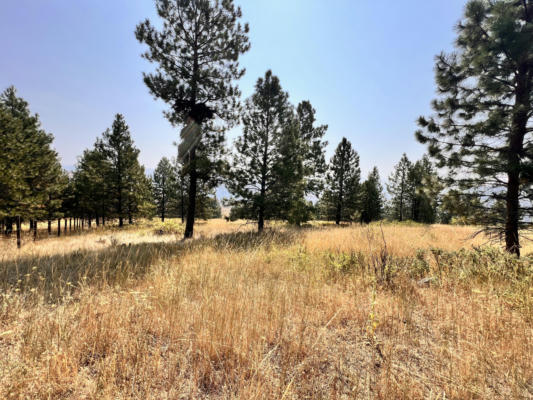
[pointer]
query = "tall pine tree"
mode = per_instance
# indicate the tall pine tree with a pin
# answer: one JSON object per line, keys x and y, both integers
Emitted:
{"x": 197, "y": 52}
{"x": 371, "y": 198}
{"x": 400, "y": 189}
{"x": 162, "y": 187}
{"x": 301, "y": 165}
{"x": 341, "y": 195}
{"x": 425, "y": 188}
{"x": 482, "y": 127}
{"x": 29, "y": 167}
{"x": 253, "y": 174}
{"x": 117, "y": 147}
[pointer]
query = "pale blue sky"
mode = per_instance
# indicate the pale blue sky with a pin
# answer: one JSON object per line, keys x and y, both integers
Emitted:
{"x": 366, "y": 66}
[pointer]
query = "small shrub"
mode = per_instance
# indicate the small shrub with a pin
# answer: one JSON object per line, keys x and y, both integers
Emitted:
{"x": 169, "y": 227}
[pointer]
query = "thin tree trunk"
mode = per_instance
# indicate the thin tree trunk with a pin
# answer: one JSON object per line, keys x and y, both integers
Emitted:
{"x": 340, "y": 200}
{"x": 516, "y": 147}
{"x": 49, "y": 227}
{"x": 261, "y": 219}
{"x": 182, "y": 205}
{"x": 189, "y": 227}
{"x": 191, "y": 209}
{"x": 338, "y": 213}
{"x": 264, "y": 166}
{"x": 261, "y": 213}
{"x": 9, "y": 226}
{"x": 35, "y": 230}
{"x": 18, "y": 232}
{"x": 58, "y": 227}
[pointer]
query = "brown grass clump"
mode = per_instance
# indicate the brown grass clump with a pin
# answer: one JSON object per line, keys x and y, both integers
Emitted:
{"x": 322, "y": 312}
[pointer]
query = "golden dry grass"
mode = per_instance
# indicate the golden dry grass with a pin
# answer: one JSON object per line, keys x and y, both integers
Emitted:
{"x": 316, "y": 313}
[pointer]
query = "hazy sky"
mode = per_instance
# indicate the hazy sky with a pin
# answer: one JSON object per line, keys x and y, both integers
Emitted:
{"x": 366, "y": 66}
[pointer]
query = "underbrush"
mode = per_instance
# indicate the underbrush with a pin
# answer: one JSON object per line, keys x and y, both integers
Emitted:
{"x": 168, "y": 227}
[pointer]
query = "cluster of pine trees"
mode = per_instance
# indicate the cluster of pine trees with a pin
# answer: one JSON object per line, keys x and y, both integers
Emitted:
{"x": 415, "y": 191}
{"x": 108, "y": 182}
{"x": 278, "y": 166}
{"x": 170, "y": 193}
{"x": 31, "y": 178}
{"x": 480, "y": 133}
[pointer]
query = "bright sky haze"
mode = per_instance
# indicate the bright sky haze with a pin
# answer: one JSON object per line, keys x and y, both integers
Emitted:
{"x": 366, "y": 66}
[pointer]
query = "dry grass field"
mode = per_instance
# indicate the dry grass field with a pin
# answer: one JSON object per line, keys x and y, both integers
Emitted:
{"x": 320, "y": 312}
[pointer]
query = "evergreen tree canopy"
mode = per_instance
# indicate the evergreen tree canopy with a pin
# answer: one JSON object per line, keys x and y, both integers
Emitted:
{"x": 30, "y": 171}
{"x": 124, "y": 171}
{"x": 197, "y": 52}
{"x": 163, "y": 186}
{"x": 425, "y": 188}
{"x": 400, "y": 188}
{"x": 254, "y": 171}
{"x": 482, "y": 128}
{"x": 301, "y": 165}
{"x": 341, "y": 196}
{"x": 312, "y": 148}
{"x": 371, "y": 198}
{"x": 91, "y": 184}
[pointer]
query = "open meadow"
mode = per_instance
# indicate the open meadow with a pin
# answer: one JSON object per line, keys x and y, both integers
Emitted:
{"x": 319, "y": 312}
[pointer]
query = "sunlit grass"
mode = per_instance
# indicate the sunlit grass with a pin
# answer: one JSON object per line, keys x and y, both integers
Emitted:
{"x": 318, "y": 312}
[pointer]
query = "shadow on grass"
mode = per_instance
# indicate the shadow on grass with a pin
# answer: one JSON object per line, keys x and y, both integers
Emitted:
{"x": 57, "y": 276}
{"x": 250, "y": 240}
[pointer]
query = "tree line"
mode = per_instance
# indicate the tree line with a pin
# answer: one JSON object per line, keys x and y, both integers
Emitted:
{"x": 108, "y": 182}
{"x": 479, "y": 137}
{"x": 276, "y": 169}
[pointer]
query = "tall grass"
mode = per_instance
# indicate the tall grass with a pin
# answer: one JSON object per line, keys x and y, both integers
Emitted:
{"x": 316, "y": 313}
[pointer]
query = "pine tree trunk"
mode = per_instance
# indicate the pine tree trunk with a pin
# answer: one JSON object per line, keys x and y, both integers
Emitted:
{"x": 49, "y": 227}
{"x": 65, "y": 227}
{"x": 163, "y": 210}
{"x": 189, "y": 227}
{"x": 261, "y": 219}
{"x": 401, "y": 207}
{"x": 70, "y": 224}
{"x": 262, "y": 198}
{"x": 261, "y": 213}
{"x": 35, "y": 230}
{"x": 18, "y": 233}
{"x": 31, "y": 225}
{"x": 90, "y": 222}
{"x": 59, "y": 227}
{"x": 9, "y": 228}
{"x": 182, "y": 206}
{"x": 516, "y": 147}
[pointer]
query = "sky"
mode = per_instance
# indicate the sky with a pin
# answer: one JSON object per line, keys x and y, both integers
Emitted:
{"x": 366, "y": 66}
